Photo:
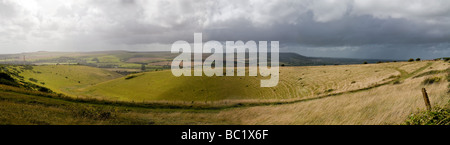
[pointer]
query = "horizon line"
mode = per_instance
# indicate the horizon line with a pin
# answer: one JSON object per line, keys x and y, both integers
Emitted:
{"x": 159, "y": 51}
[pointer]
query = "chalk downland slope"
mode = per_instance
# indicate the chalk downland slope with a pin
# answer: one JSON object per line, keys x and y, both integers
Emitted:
{"x": 295, "y": 83}
{"x": 67, "y": 79}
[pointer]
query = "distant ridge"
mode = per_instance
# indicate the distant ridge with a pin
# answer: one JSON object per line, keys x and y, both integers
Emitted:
{"x": 286, "y": 58}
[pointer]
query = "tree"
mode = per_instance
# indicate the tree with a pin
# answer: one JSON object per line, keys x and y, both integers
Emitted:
{"x": 417, "y": 59}
{"x": 411, "y": 60}
{"x": 143, "y": 67}
{"x": 365, "y": 62}
{"x": 95, "y": 59}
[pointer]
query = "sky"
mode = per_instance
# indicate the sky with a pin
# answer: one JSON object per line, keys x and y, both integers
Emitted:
{"x": 376, "y": 29}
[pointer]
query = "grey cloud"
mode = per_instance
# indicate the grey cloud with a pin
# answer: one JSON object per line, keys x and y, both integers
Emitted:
{"x": 376, "y": 51}
{"x": 350, "y": 28}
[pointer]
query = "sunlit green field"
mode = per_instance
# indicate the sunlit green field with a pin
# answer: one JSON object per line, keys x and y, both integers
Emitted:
{"x": 67, "y": 79}
{"x": 295, "y": 83}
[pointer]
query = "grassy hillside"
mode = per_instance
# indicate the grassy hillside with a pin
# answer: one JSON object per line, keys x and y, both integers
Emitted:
{"x": 295, "y": 83}
{"x": 385, "y": 103}
{"x": 66, "y": 79}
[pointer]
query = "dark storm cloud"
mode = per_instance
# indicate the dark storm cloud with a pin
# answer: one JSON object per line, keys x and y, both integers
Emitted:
{"x": 376, "y": 51}
{"x": 336, "y": 28}
{"x": 349, "y": 30}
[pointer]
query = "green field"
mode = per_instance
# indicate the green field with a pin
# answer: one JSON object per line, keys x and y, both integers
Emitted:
{"x": 295, "y": 83}
{"x": 67, "y": 79}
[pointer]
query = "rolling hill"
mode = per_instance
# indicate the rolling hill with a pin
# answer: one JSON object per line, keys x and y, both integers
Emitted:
{"x": 67, "y": 78}
{"x": 295, "y": 82}
{"x": 385, "y": 93}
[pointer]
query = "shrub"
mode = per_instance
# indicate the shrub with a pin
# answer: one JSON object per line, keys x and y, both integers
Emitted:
{"x": 142, "y": 67}
{"x": 7, "y": 80}
{"x": 393, "y": 77}
{"x": 448, "y": 74}
{"x": 417, "y": 59}
{"x": 438, "y": 116}
{"x": 96, "y": 60}
{"x": 96, "y": 113}
{"x": 130, "y": 77}
{"x": 5, "y": 76}
{"x": 431, "y": 80}
{"x": 365, "y": 62}
{"x": 33, "y": 80}
{"x": 329, "y": 90}
{"x": 44, "y": 89}
{"x": 28, "y": 67}
{"x": 411, "y": 60}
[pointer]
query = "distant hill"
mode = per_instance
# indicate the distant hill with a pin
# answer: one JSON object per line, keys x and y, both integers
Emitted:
{"x": 295, "y": 59}
{"x": 133, "y": 60}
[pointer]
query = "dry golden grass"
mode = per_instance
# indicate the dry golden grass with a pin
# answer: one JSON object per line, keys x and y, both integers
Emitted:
{"x": 439, "y": 65}
{"x": 411, "y": 66}
{"x": 387, "y": 104}
{"x": 309, "y": 82}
